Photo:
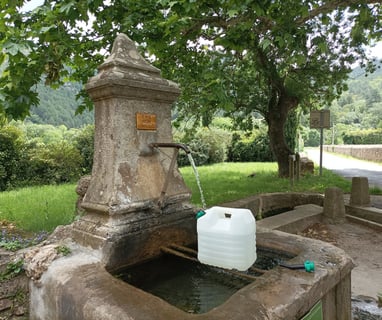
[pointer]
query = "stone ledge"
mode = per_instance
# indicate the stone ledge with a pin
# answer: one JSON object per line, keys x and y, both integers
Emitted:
{"x": 367, "y": 213}
{"x": 295, "y": 220}
{"x": 370, "y": 224}
{"x": 266, "y": 202}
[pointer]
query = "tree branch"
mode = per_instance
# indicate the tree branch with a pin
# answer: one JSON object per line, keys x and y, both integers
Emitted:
{"x": 331, "y": 6}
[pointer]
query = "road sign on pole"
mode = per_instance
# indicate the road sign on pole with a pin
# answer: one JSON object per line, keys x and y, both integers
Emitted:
{"x": 320, "y": 119}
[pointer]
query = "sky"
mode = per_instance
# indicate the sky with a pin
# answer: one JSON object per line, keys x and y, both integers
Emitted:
{"x": 30, "y": 5}
{"x": 377, "y": 50}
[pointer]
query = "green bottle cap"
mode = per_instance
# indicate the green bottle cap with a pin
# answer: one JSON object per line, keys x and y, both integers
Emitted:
{"x": 200, "y": 213}
{"x": 309, "y": 266}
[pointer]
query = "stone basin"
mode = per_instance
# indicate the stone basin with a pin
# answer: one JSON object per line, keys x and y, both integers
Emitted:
{"x": 79, "y": 287}
{"x": 180, "y": 279}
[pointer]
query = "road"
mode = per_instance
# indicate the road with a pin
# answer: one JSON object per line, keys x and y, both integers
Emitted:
{"x": 348, "y": 167}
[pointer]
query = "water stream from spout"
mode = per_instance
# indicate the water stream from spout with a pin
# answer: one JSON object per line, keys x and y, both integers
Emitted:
{"x": 196, "y": 173}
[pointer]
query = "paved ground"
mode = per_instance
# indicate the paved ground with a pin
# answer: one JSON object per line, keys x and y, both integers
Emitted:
{"x": 361, "y": 243}
{"x": 348, "y": 167}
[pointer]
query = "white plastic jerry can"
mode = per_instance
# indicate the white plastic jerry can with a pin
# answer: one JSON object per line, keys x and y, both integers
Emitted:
{"x": 227, "y": 238}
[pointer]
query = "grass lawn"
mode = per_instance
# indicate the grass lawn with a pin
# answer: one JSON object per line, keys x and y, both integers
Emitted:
{"x": 230, "y": 181}
{"x": 41, "y": 208}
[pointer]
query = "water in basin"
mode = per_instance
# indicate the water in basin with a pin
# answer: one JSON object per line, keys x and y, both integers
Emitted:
{"x": 191, "y": 286}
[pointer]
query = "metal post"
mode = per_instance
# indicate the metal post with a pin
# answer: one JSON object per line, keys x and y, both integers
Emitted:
{"x": 169, "y": 174}
{"x": 292, "y": 159}
{"x": 320, "y": 120}
{"x": 321, "y": 147}
{"x": 298, "y": 166}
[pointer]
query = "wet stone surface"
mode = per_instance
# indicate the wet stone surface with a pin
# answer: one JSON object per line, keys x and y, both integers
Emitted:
{"x": 365, "y": 308}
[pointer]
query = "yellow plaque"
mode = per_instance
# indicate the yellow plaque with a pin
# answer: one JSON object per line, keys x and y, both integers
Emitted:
{"x": 146, "y": 121}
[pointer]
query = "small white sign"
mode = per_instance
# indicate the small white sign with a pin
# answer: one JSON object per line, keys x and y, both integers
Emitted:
{"x": 320, "y": 119}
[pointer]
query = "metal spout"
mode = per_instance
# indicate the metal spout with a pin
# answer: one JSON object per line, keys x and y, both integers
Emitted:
{"x": 175, "y": 145}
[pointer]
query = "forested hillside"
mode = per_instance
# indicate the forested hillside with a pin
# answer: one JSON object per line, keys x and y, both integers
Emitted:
{"x": 361, "y": 105}
{"x": 58, "y": 107}
{"x": 58, "y": 146}
{"x": 358, "y": 108}
{"x": 357, "y": 112}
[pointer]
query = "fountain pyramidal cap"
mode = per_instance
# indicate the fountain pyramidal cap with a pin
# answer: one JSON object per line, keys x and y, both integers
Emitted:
{"x": 126, "y": 64}
{"x": 132, "y": 105}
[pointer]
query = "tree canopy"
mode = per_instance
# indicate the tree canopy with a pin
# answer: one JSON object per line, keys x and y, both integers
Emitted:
{"x": 232, "y": 56}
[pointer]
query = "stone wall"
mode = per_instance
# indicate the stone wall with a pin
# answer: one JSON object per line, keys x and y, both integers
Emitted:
{"x": 14, "y": 290}
{"x": 362, "y": 151}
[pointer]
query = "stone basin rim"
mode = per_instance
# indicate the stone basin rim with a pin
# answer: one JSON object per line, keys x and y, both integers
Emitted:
{"x": 98, "y": 292}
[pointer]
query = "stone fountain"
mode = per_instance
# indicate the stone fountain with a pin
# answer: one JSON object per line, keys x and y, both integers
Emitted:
{"x": 136, "y": 198}
{"x": 137, "y": 203}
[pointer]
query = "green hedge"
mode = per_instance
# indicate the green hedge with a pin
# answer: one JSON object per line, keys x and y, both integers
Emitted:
{"x": 215, "y": 145}
{"x": 256, "y": 149}
{"x": 28, "y": 162}
{"x": 370, "y": 136}
{"x": 28, "y": 159}
{"x": 208, "y": 146}
{"x": 11, "y": 151}
{"x": 53, "y": 164}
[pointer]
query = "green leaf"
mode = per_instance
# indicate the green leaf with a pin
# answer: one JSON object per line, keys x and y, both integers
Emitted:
{"x": 280, "y": 40}
{"x": 323, "y": 46}
{"x": 65, "y": 8}
{"x": 4, "y": 62}
{"x": 232, "y": 13}
{"x": 300, "y": 59}
{"x": 25, "y": 49}
{"x": 325, "y": 20}
{"x": 46, "y": 29}
{"x": 265, "y": 44}
{"x": 11, "y": 48}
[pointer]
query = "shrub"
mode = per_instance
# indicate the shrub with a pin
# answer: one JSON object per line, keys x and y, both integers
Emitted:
{"x": 84, "y": 143}
{"x": 28, "y": 160}
{"x": 311, "y": 138}
{"x": 371, "y": 136}
{"x": 11, "y": 150}
{"x": 254, "y": 149}
{"x": 208, "y": 145}
{"x": 199, "y": 151}
{"x": 218, "y": 141}
{"x": 58, "y": 163}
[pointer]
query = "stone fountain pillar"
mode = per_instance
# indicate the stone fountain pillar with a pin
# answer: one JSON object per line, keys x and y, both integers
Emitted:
{"x": 132, "y": 105}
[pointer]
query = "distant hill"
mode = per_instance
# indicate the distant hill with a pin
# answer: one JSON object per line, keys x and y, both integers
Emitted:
{"x": 58, "y": 106}
{"x": 360, "y": 107}
{"x": 359, "y": 72}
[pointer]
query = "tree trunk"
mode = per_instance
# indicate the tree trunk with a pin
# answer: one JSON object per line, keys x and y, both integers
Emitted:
{"x": 276, "y": 119}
